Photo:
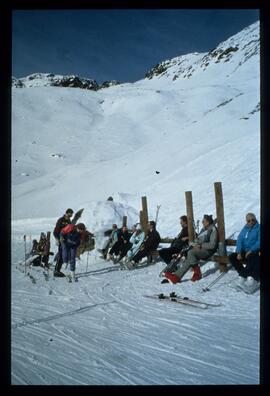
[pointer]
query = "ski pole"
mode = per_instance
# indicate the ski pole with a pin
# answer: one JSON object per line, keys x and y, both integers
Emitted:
{"x": 87, "y": 261}
{"x": 30, "y": 247}
{"x": 207, "y": 288}
{"x": 198, "y": 227}
{"x": 24, "y": 238}
{"x": 158, "y": 207}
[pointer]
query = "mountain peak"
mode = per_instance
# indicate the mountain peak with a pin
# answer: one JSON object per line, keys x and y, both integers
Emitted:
{"x": 236, "y": 50}
{"x": 56, "y": 80}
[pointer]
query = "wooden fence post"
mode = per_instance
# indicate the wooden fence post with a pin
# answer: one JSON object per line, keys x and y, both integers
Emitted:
{"x": 220, "y": 212}
{"x": 124, "y": 221}
{"x": 141, "y": 217}
{"x": 220, "y": 222}
{"x": 144, "y": 215}
{"x": 190, "y": 216}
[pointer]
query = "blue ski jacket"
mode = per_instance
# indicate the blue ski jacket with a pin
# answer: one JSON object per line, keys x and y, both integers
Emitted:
{"x": 249, "y": 239}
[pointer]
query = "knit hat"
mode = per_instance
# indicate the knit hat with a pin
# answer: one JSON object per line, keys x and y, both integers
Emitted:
{"x": 81, "y": 226}
{"x": 208, "y": 218}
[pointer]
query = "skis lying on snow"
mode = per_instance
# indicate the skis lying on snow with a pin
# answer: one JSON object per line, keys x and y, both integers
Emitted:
{"x": 33, "y": 280}
{"x": 27, "y": 271}
{"x": 182, "y": 300}
{"x": 21, "y": 268}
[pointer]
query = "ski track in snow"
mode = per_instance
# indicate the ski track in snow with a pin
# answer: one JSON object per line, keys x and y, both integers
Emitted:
{"x": 103, "y": 331}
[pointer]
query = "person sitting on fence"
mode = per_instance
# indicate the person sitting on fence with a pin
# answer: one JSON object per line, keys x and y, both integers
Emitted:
{"x": 248, "y": 253}
{"x": 121, "y": 247}
{"x": 177, "y": 244}
{"x": 70, "y": 238}
{"x": 87, "y": 243}
{"x": 202, "y": 248}
{"x": 150, "y": 242}
{"x": 136, "y": 240}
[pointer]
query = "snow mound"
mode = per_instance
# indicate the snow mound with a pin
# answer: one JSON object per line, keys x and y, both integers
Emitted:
{"x": 99, "y": 216}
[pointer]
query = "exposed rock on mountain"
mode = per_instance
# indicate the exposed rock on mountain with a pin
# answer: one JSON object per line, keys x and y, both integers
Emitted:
{"x": 238, "y": 48}
{"x": 72, "y": 81}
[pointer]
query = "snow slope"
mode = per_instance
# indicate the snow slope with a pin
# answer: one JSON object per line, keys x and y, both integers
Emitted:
{"x": 196, "y": 122}
{"x": 103, "y": 331}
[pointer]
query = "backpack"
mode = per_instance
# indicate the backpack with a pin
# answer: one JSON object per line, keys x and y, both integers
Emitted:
{"x": 67, "y": 229}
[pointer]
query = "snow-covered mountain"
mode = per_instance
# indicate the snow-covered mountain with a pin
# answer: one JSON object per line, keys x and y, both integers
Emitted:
{"x": 193, "y": 120}
{"x": 237, "y": 50}
{"x": 74, "y": 145}
{"x": 52, "y": 80}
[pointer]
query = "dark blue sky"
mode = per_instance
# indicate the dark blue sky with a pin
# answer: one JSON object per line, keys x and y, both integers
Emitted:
{"x": 116, "y": 44}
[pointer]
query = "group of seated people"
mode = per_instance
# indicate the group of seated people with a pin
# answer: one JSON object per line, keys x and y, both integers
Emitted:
{"x": 132, "y": 247}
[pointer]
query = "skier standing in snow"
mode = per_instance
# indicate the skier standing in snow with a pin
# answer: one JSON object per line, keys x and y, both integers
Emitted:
{"x": 202, "y": 248}
{"x": 60, "y": 224}
{"x": 150, "y": 242}
{"x": 177, "y": 244}
{"x": 247, "y": 252}
{"x": 70, "y": 238}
